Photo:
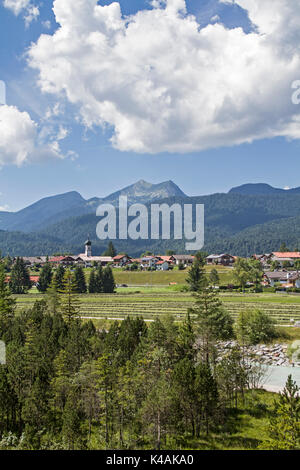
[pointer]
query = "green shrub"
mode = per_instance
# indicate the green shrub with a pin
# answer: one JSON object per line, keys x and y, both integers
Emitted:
{"x": 255, "y": 326}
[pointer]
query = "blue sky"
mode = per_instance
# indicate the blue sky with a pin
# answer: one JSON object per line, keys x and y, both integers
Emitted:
{"x": 95, "y": 167}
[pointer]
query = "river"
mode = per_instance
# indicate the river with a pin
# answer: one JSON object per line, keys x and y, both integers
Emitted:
{"x": 276, "y": 376}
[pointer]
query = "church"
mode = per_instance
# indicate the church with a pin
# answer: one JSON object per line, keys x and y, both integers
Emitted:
{"x": 88, "y": 259}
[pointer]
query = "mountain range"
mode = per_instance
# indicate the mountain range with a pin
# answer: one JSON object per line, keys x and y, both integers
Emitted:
{"x": 262, "y": 189}
{"x": 249, "y": 218}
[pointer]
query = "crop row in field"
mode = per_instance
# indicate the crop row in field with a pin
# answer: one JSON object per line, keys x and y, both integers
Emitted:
{"x": 150, "y": 305}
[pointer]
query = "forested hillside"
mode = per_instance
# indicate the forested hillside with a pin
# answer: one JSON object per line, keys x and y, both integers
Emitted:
{"x": 241, "y": 224}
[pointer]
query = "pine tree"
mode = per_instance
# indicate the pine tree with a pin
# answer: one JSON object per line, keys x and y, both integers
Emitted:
{"x": 207, "y": 396}
{"x": 53, "y": 298}
{"x": 284, "y": 426}
{"x": 59, "y": 276}
{"x": 99, "y": 280}
{"x": 108, "y": 281}
{"x": 213, "y": 321}
{"x": 7, "y": 303}
{"x": 69, "y": 299}
{"x": 80, "y": 280}
{"x": 196, "y": 275}
{"x": 186, "y": 338}
{"x": 35, "y": 412}
{"x": 72, "y": 417}
{"x": 20, "y": 279}
{"x": 214, "y": 277}
{"x": 61, "y": 382}
{"x": 92, "y": 282}
{"x": 110, "y": 250}
{"x": 45, "y": 278}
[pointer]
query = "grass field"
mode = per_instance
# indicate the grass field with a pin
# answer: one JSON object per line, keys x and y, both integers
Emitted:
{"x": 246, "y": 427}
{"x": 150, "y": 302}
{"x": 158, "y": 278}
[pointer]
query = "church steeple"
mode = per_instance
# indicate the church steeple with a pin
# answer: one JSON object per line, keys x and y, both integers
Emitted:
{"x": 88, "y": 247}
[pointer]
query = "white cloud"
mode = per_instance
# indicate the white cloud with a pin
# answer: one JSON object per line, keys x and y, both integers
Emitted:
{"x": 164, "y": 84}
{"x": 215, "y": 18}
{"x": 32, "y": 13}
{"x": 16, "y": 6}
{"x": 29, "y": 10}
{"x": 47, "y": 24}
{"x": 22, "y": 142}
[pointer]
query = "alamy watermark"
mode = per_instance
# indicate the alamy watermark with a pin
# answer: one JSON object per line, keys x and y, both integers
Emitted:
{"x": 157, "y": 221}
{"x": 296, "y": 94}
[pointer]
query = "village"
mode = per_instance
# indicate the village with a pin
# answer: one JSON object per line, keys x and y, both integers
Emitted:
{"x": 279, "y": 269}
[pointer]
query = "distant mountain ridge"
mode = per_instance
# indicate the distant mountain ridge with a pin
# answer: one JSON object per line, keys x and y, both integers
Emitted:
{"x": 144, "y": 192}
{"x": 262, "y": 189}
{"x": 53, "y": 209}
{"x": 241, "y": 222}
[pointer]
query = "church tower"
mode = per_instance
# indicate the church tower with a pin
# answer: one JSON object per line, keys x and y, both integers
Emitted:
{"x": 88, "y": 247}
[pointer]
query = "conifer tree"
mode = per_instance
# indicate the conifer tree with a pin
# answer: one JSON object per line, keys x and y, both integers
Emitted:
{"x": 59, "y": 276}
{"x": 52, "y": 297}
{"x": 92, "y": 282}
{"x": 20, "y": 279}
{"x": 7, "y": 303}
{"x": 45, "y": 278}
{"x": 196, "y": 276}
{"x": 214, "y": 277}
{"x": 207, "y": 396}
{"x": 61, "y": 382}
{"x": 108, "y": 281}
{"x": 213, "y": 321}
{"x": 284, "y": 426}
{"x": 72, "y": 416}
{"x": 69, "y": 299}
{"x": 111, "y": 251}
{"x": 186, "y": 338}
{"x": 79, "y": 279}
{"x": 99, "y": 280}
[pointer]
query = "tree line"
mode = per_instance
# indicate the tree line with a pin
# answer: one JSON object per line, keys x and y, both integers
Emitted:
{"x": 100, "y": 280}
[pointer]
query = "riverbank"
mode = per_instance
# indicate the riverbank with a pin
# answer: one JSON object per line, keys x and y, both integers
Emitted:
{"x": 271, "y": 355}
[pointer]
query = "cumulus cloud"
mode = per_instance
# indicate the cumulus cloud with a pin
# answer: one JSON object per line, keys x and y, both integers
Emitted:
{"x": 21, "y": 141}
{"x": 26, "y": 7}
{"x": 163, "y": 83}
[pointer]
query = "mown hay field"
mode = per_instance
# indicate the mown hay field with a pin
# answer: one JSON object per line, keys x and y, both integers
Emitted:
{"x": 152, "y": 302}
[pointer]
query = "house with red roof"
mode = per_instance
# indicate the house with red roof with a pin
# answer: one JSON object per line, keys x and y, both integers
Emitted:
{"x": 64, "y": 260}
{"x": 285, "y": 256}
{"x": 121, "y": 260}
{"x": 169, "y": 259}
{"x": 163, "y": 265}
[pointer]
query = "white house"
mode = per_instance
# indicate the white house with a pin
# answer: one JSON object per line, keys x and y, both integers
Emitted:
{"x": 186, "y": 260}
{"x": 285, "y": 278}
{"x": 162, "y": 265}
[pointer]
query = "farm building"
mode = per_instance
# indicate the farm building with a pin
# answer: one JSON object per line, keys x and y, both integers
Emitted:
{"x": 224, "y": 259}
